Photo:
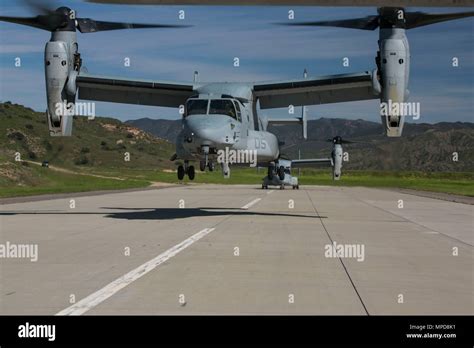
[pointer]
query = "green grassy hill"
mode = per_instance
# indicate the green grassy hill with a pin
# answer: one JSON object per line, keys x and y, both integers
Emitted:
{"x": 101, "y": 142}
{"x": 96, "y": 146}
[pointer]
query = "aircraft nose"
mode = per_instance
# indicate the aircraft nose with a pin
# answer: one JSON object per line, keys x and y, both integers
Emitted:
{"x": 207, "y": 129}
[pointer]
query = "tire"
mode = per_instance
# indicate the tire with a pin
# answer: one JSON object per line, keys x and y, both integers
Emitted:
{"x": 202, "y": 166}
{"x": 180, "y": 173}
{"x": 211, "y": 166}
{"x": 191, "y": 173}
{"x": 281, "y": 173}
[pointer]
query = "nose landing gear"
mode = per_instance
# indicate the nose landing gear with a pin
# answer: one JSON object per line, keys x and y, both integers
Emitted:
{"x": 187, "y": 169}
{"x": 181, "y": 173}
{"x": 191, "y": 173}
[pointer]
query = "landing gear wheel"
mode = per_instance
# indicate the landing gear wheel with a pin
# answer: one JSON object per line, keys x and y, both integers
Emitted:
{"x": 282, "y": 187}
{"x": 180, "y": 173}
{"x": 191, "y": 172}
{"x": 202, "y": 166}
{"x": 281, "y": 173}
{"x": 211, "y": 166}
{"x": 297, "y": 187}
{"x": 264, "y": 187}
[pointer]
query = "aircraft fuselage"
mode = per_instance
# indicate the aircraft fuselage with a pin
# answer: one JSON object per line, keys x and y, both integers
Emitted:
{"x": 217, "y": 125}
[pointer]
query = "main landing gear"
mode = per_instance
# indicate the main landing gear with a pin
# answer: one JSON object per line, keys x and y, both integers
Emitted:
{"x": 186, "y": 170}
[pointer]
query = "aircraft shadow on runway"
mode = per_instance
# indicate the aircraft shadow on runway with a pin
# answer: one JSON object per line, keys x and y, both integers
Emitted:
{"x": 162, "y": 213}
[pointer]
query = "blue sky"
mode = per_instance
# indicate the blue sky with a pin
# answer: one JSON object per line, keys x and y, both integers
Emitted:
{"x": 266, "y": 52}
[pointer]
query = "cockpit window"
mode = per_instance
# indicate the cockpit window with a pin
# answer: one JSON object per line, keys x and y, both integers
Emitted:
{"x": 222, "y": 107}
{"x": 237, "y": 107}
{"x": 196, "y": 107}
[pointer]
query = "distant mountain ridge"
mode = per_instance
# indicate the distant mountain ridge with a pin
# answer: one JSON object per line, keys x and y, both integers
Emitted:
{"x": 423, "y": 147}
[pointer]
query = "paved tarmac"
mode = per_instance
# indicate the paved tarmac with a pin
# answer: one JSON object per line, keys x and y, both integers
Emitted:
{"x": 237, "y": 249}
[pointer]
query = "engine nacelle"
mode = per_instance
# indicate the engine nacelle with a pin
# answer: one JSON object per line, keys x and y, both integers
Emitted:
{"x": 393, "y": 61}
{"x": 60, "y": 71}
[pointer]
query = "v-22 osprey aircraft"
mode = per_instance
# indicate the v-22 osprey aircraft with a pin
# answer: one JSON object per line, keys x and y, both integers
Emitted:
{"x": 220, "y": 115}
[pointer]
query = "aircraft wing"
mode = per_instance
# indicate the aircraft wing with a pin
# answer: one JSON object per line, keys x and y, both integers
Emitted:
{"x": 315, "y": 91}
{"x": 315, "y": 162}
{"x": 375, "y": 3}
{"x": 128, "y": 91}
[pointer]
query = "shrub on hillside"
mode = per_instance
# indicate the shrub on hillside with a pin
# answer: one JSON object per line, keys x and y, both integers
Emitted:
{"x": 81, "y": 161}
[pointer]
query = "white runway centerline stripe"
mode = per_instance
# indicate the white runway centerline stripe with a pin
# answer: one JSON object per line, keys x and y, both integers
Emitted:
{"x": 248, "y": 205}
{"x": 111, "y": 289}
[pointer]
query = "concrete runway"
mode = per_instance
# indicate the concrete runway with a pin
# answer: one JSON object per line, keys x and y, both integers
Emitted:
{"x": 183, "y": 260}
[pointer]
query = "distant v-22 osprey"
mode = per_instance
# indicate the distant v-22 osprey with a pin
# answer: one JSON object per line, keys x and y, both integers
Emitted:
{"x": 223, "y": 116}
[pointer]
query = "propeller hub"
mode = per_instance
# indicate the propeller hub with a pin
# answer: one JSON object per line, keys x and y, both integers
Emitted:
{"x": 392, "y": 17}
{"x": 63, "y": 19}
{"x": 63, "y": 10}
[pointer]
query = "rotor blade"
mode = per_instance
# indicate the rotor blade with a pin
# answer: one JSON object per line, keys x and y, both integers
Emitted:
{"x": 41, "y": 6}
{"x": 47, "y": 22}
{"x": 30, "y": 21}
{"x": 366, "y": 23}
{"x": 419, "y": 19}
{"x": 87, "y": 25}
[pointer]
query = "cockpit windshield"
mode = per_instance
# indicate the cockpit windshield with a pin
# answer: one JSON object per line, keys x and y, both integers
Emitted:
{"x": 216, "y": 107}
{"x": 222, "y": 107}
{"x": 196, "y": 107}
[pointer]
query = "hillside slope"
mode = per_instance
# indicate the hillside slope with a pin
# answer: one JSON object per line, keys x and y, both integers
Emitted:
{"x": 99, "y": 142}
{"x": 98, "y": 145}
{"x": 423, "y": 147}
